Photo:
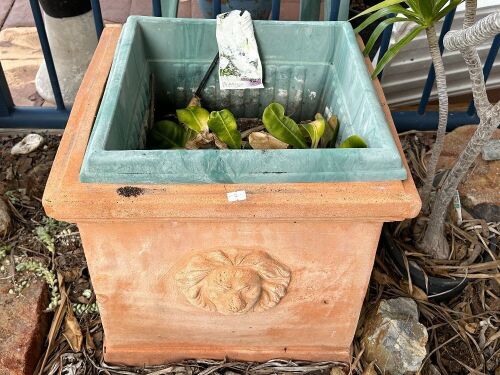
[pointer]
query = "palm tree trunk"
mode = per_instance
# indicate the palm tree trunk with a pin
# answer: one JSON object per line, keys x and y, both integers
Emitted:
{"x": 434, "y": 241}
{"x": 470, "y": 13}
{"x": 443, "y": 115}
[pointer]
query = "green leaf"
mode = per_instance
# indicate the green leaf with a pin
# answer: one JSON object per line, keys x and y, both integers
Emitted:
{"x": 378, "y": 30}
{"x": 331, "y": 133}
{"x": 383, "y": 4}
{"x": 168, "y": 134}
{"x": 393, "y": 9}
{"x": 426, "y": 7}
{"x": 195, "y": 118}
{"x": 282, "y": 127}
{"x": 354, "y": 141}
{"x": 439, "y": 4}
{"x": 315, "y": 129}
{"x": 452, "y": 5}
{"x": 391, "y": 52}
{"x": 223, "y": 124}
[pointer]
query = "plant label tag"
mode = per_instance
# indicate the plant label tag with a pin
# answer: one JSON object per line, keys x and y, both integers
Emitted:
{"x": 234, "y": 196}
{"x": 239, "y": 61}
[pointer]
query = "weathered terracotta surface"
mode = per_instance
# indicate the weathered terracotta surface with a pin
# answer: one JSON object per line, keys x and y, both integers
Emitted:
{"x": 180, "y": 272}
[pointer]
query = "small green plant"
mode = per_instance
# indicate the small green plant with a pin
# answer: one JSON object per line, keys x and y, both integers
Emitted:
{"x": 44, "y": 236}
{"x": 223, "y": 124}
{"x": 196, "y": 127}
{"x": 48, "y": 276}
{"x": 4, "y": 251}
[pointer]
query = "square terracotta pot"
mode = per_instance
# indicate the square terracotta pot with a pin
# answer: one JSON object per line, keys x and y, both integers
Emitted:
{"x": 180, "y": 272}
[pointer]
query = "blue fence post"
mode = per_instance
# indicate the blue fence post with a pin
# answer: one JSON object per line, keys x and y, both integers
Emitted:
{"x": 157, "y": 8}
{"x": 216, "y": 7}
{"x": 490, "y": 59}
{"x": 99, "y": 24}
{"x": 334, "y": 10}
{"x": 6, "y": 102}
{"x": 47, "y": 54}
{"x": 431, "y": 76}
{"x": 275, "y": 12}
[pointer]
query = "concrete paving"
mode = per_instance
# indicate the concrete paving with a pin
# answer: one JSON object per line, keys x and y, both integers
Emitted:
{"x": 17, "y": 13}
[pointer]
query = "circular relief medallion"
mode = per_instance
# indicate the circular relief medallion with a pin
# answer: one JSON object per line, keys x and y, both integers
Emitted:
{"x": 233, "y": 281}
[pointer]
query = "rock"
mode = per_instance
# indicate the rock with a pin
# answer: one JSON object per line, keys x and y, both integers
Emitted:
{"x": 5, "y": 220}
{"x": 492, "y": 150}
{"x": 393, "y": 338}
{"x": 23, "y": 328}
{"x": 487, "y": 211}
{"x": 36, "y": 179}
{"x": 481, "y": 182}
{"x": 28, "y": 144}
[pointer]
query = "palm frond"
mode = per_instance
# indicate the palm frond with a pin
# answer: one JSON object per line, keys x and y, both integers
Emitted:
{"x": 391, "y": 52}
{"x": 378, "y": 30}
{"x": 382, "y": 4}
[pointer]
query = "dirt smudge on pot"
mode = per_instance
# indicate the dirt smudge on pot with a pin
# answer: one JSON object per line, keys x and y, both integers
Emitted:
{"x": 130, "y": 191}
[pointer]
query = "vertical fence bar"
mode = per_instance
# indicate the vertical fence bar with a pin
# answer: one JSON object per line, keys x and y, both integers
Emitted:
{"x": 431, "y": 76}
{"x": 334, "y": 10}
{"x": 47, "y": 54}
{"x": 156, "y": 8}
{"x": 488, "y": 64}
{"x": 217, "y": 8}
{"x": 6, "y": 102}
{"x": 275, "y": 13}
{"x": 99, "y": 24}
{"x": 384, "y": 44}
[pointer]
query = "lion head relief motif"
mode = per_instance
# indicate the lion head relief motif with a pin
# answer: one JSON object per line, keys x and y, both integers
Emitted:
{"x": 233, "y": 281}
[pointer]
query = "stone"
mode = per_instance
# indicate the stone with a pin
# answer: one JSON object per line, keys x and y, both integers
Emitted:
{"x": 481, "y": 182}
{"x": 486, "y": 211}
{"x": 28, "y": 144}
{"x": 5, "y": 220}
{"x": 23, "y": 328}
{"x": 393, "y": 337}
{"x": 491, "y": 150}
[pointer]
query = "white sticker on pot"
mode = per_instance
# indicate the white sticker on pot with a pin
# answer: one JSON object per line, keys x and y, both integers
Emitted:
{"x": 239, "y": 61}
{"x": 239, "y": 195}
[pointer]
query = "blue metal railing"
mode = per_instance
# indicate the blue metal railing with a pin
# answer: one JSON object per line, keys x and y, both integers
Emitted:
{"x": 12, "y": 116}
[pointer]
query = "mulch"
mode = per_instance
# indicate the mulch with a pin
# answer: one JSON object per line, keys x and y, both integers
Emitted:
{"x": 464, "y": 333}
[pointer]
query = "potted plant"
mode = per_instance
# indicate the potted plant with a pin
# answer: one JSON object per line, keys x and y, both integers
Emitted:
{"x": 247, "y": 253}
{"x": 259, "y": 9}
{"x": 431, "y": 239}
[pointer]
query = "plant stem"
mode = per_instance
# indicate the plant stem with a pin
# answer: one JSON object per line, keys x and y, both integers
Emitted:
{"x": 434, "y": 234}
{"x": 434, "y": 241}
{"x": 443, "y": 115}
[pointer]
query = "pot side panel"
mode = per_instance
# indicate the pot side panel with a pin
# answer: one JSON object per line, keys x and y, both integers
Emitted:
{"x": 148, "y": 317}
